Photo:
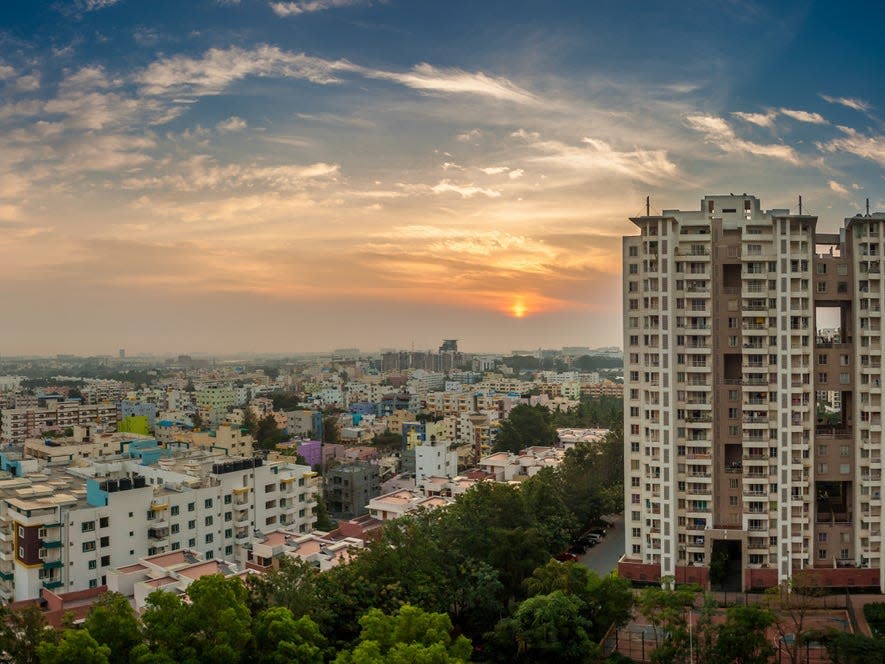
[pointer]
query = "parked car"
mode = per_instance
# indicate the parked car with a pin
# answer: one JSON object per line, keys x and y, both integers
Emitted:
{"x": 578, "y": 548}
{"x": 597, "y": 531}
{"x": 565, "y": 556}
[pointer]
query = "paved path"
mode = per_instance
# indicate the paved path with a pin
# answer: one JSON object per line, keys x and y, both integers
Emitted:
{"x": 603, "y": 558}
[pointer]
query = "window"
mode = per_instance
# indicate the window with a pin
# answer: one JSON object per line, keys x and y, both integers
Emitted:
{"x": 191, "y": 507}
{"x": 93, "y": 564}
{"x": 209, "y": 520}
{"x": 192, "y": 542}
{"x": 105, "y": 561}
{"x": 88, "y": 546}
{"x": 174, "y": 510}
{"x": 822, "y": 554}
{"x": 105, "y": 541}
{"x": 104, "y": 522}
{"x": 228, "y": 516}
{"x": 176, "y": 546}
{"x": 93, "y": 583}
{"x": 632, "y": 251}
{"x": 228, "y": 550}
{"x": 228, "y": 533}
{"x": 87, "y": 526}
{"x": 191, "y": 524}
{"x": 227, "y": 499}
{"x": 207, "y": 503}
{"x": 175, "y": 528}
{"x": 210, "y": 554}
{"x": 732, "y": 501}
{"x": 209, "y": 538}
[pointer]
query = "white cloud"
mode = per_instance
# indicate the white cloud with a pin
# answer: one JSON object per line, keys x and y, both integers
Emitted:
{"x": 718, "y": 132}
{"x": 201, "y": 173}
{"x": 432, "y": 79}
{"x": 849, "y": 102}
{"x": 838, "y": 188}
{"x": 465, "y": 191}
{"x": 804, "y": 116}
{"x": 470, "y": 135}
{"x": 450, "y": 165}
{"x": 233, "y": 123}
{"x": 6, "y": 72}
{"x": 760, "y": 119}
{"x": 28, "y": 83}
{"x": 284, "y": 9}
{"x": 218, "y": 68}
{"x": 516, "y": 173}
{"x": 495, "y": 170}
{"x": 866, "y": 147}
{"x": 93, "y": 5}
{"x": 597, "y": 155}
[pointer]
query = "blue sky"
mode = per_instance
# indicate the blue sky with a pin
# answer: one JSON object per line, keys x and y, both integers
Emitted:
{"x": 302, "y": 175}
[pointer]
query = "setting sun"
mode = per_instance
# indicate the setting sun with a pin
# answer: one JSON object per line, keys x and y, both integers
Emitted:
{"x": 518, "y": 309}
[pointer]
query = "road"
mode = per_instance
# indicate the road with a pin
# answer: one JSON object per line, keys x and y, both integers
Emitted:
{"x": 603, "y": 558}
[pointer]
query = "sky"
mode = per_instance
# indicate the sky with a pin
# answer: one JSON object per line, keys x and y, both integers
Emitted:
{"x": 288, "y": 176}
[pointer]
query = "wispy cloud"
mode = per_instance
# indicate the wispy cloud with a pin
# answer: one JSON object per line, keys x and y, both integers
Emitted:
{"x": 718, "y": 132}
{"x": 853, "y": 142}
{"x": 596, "y": 155}
{"x": 760, "y": 119}
{"x": 465, "y": 191}
{"x": 838, "y": 188}
{"x": 202, "y": 173}
{"x": 804, "y": 116}
{"x": 285, "y": 9}
{"x": 233, "y": 123}
{"x": 219, "y": 68}
{"x": 428, "y": 78}
{"x": 849, "y": 102}
{"x": 469, "y": 135}
{"x": 94, "y": 5}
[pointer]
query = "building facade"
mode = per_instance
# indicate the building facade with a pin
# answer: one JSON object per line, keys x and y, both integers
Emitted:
{"x": 729, "y": 314}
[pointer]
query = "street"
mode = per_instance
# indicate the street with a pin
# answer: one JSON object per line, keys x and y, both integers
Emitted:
{"x": 603, "y": 558}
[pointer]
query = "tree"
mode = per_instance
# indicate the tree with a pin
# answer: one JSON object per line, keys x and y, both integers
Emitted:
{"x": 250, "y": 422}
{"x": 112, "y": 623}
{"x": 524, "y": 427}
{"x": 197, "y": 420}
{"x": 268, "y": 434}
{"x": 742, "y": 638}
{"x": 217, "y": 619}
{"x": 278, "y": 638}
{"x": 846, "y": 648}
{"x": 543, "y": 498}
{"x": 388, "y": 440}
{"x": 667, "y": 610}
{"x": 545, "y": 628}
{"x": 791, "y": 602}
{"x": 330, "y": 429}
{"x": 166, "y": 631}
{"x": 323, "y": 521}
{"x": 22, "y": 631}
{"x": 409, "y": 635}
{"x": 75, "y": 645}
{"x": 293, "y": 585}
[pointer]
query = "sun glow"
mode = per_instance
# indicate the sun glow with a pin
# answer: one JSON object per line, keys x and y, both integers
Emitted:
{"x": 518, "y": 308}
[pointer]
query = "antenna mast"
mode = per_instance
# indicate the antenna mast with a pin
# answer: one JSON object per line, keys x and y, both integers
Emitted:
{"x": 800, "y": 204}
{"x": 648, "y": 206}
{"x": 868, "y": 207}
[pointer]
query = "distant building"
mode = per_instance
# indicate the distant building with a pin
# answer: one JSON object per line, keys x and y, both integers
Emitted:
{"x": 350, "y": 487}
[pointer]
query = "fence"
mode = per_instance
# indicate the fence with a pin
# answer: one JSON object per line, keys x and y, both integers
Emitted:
{"x": 639, "y": 641}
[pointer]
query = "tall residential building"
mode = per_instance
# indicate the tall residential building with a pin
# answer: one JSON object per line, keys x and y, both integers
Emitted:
{"x": 735, "y": 319}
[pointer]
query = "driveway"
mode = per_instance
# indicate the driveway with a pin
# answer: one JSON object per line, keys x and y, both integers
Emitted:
{"x": 603, "y": 558}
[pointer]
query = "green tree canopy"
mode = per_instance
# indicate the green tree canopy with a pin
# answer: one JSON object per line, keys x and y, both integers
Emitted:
{"x": 524, "y": 427}
{"x": 409, "y": 635}
{"x": 112, "y": 623}
{"x": 75, "y": 645}
{"x": 278, "y": 638}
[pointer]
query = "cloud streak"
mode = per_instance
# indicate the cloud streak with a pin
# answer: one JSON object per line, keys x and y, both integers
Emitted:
{"x": 719, "y": 133}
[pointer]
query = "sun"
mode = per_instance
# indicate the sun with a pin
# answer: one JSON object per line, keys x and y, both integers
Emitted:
{"x": 518, "y": 308}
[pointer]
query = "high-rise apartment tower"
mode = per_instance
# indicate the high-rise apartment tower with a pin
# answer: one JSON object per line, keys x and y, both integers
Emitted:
{"x": 739, "y": 325}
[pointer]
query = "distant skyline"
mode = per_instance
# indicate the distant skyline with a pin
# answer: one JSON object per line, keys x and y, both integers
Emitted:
{"x": 295, "y": 176}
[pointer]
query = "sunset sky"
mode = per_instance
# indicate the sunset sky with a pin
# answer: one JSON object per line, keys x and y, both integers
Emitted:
{"x": 253, "y": 175}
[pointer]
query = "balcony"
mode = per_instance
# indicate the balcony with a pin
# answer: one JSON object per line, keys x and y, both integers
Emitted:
{"x": 52, "y": 564}
{"x": 51, "y": 585}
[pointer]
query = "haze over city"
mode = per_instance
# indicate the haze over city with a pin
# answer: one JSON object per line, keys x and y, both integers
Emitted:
{"x": 299, "y": 176}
